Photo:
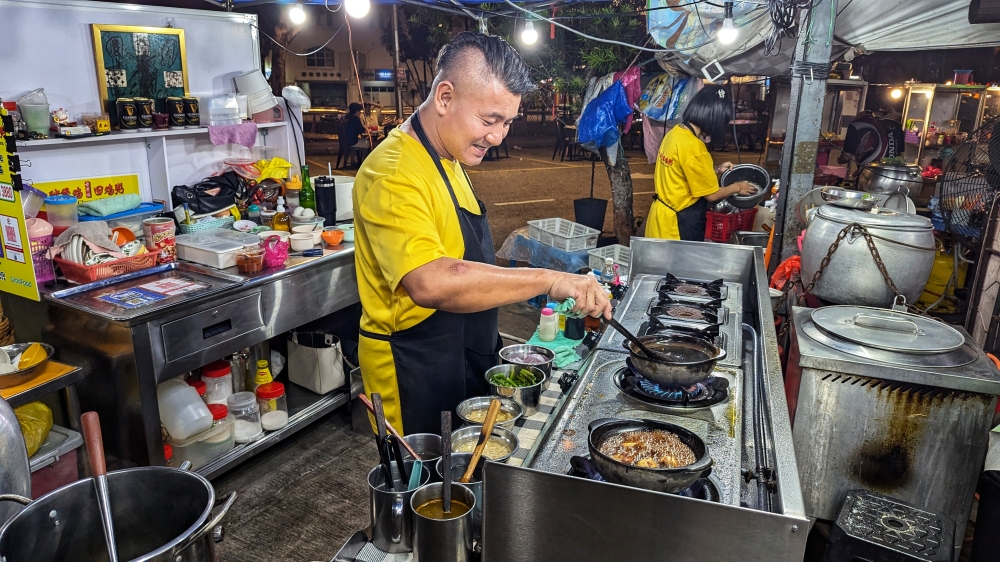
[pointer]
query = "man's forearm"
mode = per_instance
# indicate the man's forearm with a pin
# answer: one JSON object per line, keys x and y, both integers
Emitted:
{"x": 462, "y": 286}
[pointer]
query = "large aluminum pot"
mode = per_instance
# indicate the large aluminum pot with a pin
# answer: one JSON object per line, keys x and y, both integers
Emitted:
{"x": 904, "y": 241}
{"x": 891, "y": 178}
{"x": 159, "y": 514}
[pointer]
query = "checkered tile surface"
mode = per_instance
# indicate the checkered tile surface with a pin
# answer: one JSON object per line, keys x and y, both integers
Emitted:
{"x": 528, "y": 429}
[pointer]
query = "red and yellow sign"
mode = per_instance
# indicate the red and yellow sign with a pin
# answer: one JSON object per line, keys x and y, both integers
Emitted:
{"x": 89, "y": 189}
{"x": 17, "y": 273}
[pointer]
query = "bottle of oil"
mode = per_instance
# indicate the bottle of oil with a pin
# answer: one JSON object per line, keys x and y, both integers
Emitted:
{"x": 281, "y": 221}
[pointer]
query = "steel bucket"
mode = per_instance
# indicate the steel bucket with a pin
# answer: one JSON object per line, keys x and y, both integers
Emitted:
{"x": 159, "y": 514}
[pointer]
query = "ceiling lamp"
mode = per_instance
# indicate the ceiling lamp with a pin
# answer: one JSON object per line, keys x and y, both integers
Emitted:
{"x": 728, "y": 32}
{"x": 529, "y": 36}
{"x": 357, "y": 8}
{"x": 297, "y": 14}
{"x": 896, "y": 93}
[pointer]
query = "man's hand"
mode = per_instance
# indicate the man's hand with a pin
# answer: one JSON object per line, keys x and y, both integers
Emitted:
{"x": 746, "y": 188}
{"x": 590, "y": 298}
{"x": 723, "y": 167}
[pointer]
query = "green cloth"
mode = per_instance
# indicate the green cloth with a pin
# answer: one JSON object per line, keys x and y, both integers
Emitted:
{"x": 563, "y": 347}
{"x": 110, "y": 205}
{"x": 566, "y": 309}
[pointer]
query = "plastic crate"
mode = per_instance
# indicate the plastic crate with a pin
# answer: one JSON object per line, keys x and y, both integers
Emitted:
{"x": 54, "y": 464}
{"x": 720, "y": 226}
{"x": 207, "y": 225}
{"x": 563, "y": 234}
{"x": 80, "y": 273}
{"x": 620, "y": 254}
{"x": 40, "y": 258}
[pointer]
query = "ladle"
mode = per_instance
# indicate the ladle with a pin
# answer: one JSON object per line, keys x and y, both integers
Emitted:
{"x": 631, "y": 337}
{"x": 95, "y": 451}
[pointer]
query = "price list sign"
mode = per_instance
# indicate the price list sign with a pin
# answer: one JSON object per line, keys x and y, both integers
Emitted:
{"x": 17, "y": 272}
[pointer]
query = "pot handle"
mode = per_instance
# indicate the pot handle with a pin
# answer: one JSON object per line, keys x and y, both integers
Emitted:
{"x": 227, "y": 503}
{"x": 599, "y": 422}
{"x": 397, "y": 520}
{"x": 15, "y": 498}
{"x": 885, "y": 323}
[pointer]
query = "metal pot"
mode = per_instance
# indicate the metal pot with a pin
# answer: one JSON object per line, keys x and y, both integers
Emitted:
{"x": 667, "y": 480}
{"x": 753, "y": 174}
{"x": 160, "y": 514}
{"x": 891, "y": 178}
{"x": 15, "y": 477}
{"x": 905, "y": 243}
{"x": 695, "y": 359}
{"x": 509, "y": 356}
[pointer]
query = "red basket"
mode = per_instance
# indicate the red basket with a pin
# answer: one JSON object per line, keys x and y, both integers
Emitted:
{"x": 80, "y": 273}
{"x": 720, "y": 226}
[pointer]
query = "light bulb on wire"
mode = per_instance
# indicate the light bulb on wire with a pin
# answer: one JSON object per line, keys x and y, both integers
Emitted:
{"x": 297, "y": 14}
{"x": 357, "y": 8}
{"x": 896, "y": 93}
{"x": 529, "y": 36}
{"x": 728, "y": 32}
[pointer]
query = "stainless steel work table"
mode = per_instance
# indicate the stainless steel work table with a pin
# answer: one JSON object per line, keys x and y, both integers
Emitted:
{"x": 126, "y": 352}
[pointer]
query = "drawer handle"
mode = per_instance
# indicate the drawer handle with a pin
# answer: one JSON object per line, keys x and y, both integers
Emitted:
{"x": 216, "y": 329}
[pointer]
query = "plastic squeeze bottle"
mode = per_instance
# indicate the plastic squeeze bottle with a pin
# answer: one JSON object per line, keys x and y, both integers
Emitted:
{"x": 548, "y": 326}
{"x": 281, "y": 220}
{"x": 263, "y": 374}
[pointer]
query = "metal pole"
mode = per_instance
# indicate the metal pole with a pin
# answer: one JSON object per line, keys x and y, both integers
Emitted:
{"x": 805, "y": 114}
{"x": 395, "y": 58}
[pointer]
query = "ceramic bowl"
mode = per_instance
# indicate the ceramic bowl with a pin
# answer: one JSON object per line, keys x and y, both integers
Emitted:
{"x": 301, "y": 242}
{"x": 348, "y": 230}
{"x": 308, "y": 229}
{"x": 283, "y": 234}
{"x": 244, "y": 226}
{"x": 333, "y": 237}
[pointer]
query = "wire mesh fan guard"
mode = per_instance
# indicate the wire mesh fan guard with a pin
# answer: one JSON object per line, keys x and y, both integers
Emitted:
{"x": 971, "y": 182}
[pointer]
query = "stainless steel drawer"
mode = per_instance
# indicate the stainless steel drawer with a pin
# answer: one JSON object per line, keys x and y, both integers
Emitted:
{"x": 219, "y": 324}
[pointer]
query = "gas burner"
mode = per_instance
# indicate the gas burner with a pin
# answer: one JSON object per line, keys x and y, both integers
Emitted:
{"x": 686, "y": 312}
{"x": 695, "y": 290}
{"x": 706, "y": 489}
{"x": 710, "y": 333}
{"x": 665, "y": 299}
{"x": 701, "y": 395}
{"x": 690, "y": 314}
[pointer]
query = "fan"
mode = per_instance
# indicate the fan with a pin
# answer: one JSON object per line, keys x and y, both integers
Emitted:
{"x": 970, "y": 183}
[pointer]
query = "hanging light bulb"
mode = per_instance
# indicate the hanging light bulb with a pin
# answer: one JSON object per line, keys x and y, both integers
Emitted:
{"x": 357, "y": 8}
{"x": 529, "y": 36}
{"x": 297, "y": 14}
{"x": 728, "y": 32}
{"x": 896, "y": 93}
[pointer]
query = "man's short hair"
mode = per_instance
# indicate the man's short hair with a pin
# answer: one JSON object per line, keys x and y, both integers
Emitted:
{"x": 502, "y": 61}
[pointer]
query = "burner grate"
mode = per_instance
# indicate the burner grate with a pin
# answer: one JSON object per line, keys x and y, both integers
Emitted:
{"x": 702, "y": 395}
{"x": 703, "y": 489}
{"x": 693, "y": 289}
{"x": 685, "y": 312}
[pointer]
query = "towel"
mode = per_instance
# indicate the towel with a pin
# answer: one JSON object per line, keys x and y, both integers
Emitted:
{"x": 97, "y": 234}
{"x": 563, "y": 347}
{"x": 566, "y": 309}
{"x": 244, "y": 133}
{"x": 110, "y": 205}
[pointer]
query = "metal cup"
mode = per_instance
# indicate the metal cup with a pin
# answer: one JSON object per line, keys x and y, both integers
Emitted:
{"x": 436, "y": 540}
{"x": 391, "y": 515}
{"x": 459, "y": 462}
{"x": 428, "y": 446}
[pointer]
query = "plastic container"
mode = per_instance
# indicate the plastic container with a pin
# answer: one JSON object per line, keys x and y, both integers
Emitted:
{"x": 548, "y": 326}
{"x": 215, "y": 248}
{"x": 54, "y": 464}
{"x": 61, "y": 210}
{"x": 250, "y": 259}
{"x": 182, "y": 411}
{"x": 292, "y": 197}
{"x": 222, "y": 223}
{"x": 218, "y": 378}
{"x": 246, "y": 416}
{"x": 31, "y": 201}
{"x": 210, "y": 444}
{"x": 79, "y": 273}
{"x": 37, "y": 117}
{"x": 720, "y": 227}
{"x": 200, "y": 387}
{"x": 563, "y": 234}
{"x": 619, "y": 254}
{"x": 962, "y": 76}
{"x": 273, "y": 406}
{"x": 224, "y": 110}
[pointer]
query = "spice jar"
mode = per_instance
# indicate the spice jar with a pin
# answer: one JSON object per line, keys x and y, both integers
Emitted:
{"x": 218, "y": 379}
{"x": 246, "y": 416}
{"x": 201, "y": 387}
{"x": 250, "y": 259}
{"x": 273, "y": 406}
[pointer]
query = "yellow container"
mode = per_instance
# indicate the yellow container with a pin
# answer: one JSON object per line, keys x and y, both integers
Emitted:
{"x": 944, "y": 265}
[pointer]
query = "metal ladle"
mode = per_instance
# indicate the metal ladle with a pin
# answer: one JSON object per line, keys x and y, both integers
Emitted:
{"x": 631, "y": 337}
{"x": 95, "y": 451}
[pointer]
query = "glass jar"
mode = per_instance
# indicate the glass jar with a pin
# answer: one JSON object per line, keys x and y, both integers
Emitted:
{"x": 273, "y": 406}
{"x": 218, "y": 379}
{"x": 201, "y": 387}
{"x": 246, "y": 416}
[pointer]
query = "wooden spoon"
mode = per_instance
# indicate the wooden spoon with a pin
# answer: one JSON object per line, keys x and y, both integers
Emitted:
{"x": 484, "y": 436}
{"x": 631, "y": 337}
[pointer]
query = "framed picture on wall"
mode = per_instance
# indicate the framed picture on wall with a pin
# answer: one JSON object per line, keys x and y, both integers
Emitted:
{"x": 144, "y": 62}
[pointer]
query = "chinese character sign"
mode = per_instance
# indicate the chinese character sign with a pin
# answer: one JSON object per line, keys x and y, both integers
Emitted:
{"x": 89, "y": 189}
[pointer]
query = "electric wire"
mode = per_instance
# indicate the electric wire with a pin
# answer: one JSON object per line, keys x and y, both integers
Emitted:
{"x": 318, "y": 49}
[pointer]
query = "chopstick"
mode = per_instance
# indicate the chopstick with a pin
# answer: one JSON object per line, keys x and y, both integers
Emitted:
{"x": 446, "y": 461}
{"x": 484, "y": 436}
{"x": 392, "y": 430}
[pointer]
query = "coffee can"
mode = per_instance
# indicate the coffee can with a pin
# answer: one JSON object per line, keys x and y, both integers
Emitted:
{"x": 128, "y": 115}
{"x": 144, "y": 108}
{"x": 175, "y": 109}
{"x": 192, "y": 111}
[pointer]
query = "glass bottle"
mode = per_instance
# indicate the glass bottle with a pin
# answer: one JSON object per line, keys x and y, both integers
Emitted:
{"x": 608, "y": 275}
{"x": 263, "y": 374}
{"x": 281, "y": 221}
{"x": 307, "y": 196}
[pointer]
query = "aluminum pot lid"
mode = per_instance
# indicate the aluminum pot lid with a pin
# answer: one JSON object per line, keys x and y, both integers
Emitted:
{"x": 882, "y": 218}
{"x": 890, "y": 330}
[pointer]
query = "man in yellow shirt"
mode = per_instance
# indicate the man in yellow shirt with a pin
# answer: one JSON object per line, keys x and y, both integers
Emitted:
{"x": 424, "y": 253}
{"x": 685, "y": 177}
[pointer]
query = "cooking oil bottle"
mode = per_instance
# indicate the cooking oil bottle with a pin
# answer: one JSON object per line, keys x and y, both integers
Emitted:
{"x": 281, "y": 220}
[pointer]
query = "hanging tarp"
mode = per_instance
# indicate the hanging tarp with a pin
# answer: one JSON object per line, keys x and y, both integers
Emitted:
{"x": 907, "y": 25}
{"x": 690, "y": 27}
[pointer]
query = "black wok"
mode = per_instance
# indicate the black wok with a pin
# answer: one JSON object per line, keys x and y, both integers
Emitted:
{"x": 691, "y": 359}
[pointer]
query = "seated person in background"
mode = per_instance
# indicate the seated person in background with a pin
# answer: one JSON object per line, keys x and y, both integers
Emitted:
{"x": 354, "y": 127}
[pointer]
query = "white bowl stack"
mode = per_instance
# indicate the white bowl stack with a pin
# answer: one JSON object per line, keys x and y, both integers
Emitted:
{"x": 258, "y": 91}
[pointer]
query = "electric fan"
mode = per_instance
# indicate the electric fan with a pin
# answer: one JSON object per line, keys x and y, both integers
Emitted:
{"x": 970, "y": 183}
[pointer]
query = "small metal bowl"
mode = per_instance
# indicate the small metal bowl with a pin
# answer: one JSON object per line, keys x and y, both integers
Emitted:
{"x": 483, "y": 403}
{"x": 15, "y": 378}
{"x": 527, "y": 397}
{"x": 510, "y": 351}
{"x": 471, "y": 432}
{"x": 427, "y": 445}
{"x": 848, "y": 198}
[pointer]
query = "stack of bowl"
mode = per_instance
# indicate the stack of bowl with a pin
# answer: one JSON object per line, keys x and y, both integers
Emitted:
{"x": 258, "y": 91}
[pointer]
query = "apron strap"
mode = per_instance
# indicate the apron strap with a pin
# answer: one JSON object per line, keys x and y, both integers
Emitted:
{"x": 419, "y": 129}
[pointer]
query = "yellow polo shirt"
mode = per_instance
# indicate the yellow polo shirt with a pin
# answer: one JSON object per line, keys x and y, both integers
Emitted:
{"x": 684, "y": 173}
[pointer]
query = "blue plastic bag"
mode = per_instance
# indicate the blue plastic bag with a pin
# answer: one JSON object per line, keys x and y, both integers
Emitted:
{"x": 598, "y": 125}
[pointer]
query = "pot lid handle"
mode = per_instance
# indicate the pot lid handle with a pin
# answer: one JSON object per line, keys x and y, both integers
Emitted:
{"x": 886, "y": 323}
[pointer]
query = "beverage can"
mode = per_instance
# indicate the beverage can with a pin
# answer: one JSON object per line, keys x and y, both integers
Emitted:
{"x": 192, "y": 112}
{"x": 144, "y": 109}
{"x": 175, "y": 109}
{"x": 160, "y": 234}
{"x": 128, "y": 114}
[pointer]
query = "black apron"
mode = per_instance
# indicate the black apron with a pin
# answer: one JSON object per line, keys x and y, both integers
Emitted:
{"x": 443, "y": 360}
{"x": 692, "y": 220}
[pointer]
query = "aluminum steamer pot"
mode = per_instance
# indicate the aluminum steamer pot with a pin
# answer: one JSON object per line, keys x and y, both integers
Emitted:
{"x": 160, "y": 514}
{"x": 669, "y": 480}
{"x": 852, "y": 277}
{"x": 891, "y": 178}
{"x": 695, "y": 360}
{"x": 753, "y": 174}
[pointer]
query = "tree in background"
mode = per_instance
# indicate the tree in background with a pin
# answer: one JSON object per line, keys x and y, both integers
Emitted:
{"x": 422, "y": 33}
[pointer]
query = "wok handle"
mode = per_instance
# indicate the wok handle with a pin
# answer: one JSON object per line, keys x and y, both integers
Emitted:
{"x": 95, "y": 445}
{"x": 227, "y": 503}
{"x": 15, "y": 498}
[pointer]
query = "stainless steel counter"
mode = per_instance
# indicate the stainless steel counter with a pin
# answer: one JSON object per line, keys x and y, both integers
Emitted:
{"x": 126, "y": 352}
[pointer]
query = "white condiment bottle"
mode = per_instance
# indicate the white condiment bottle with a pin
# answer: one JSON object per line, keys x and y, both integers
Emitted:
{"x": 548, "y": 326}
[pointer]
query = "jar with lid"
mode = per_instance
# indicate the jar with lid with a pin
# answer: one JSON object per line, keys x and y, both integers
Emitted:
{"x": 218, "y": 378}
{"x": 62, "y": 210}
{"x": 273, "y": 406}
{"x": 246, "y": 416}
{"x": 215, "y": 441}
{"x": 168, "y": 454}
{"x": 201, "y": 387}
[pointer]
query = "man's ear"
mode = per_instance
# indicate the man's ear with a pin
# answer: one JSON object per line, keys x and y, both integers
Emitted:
{"x": 444, "y": 95}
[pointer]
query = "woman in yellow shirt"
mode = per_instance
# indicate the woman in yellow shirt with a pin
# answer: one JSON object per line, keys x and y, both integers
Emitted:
{"x": 685, "y": 177}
